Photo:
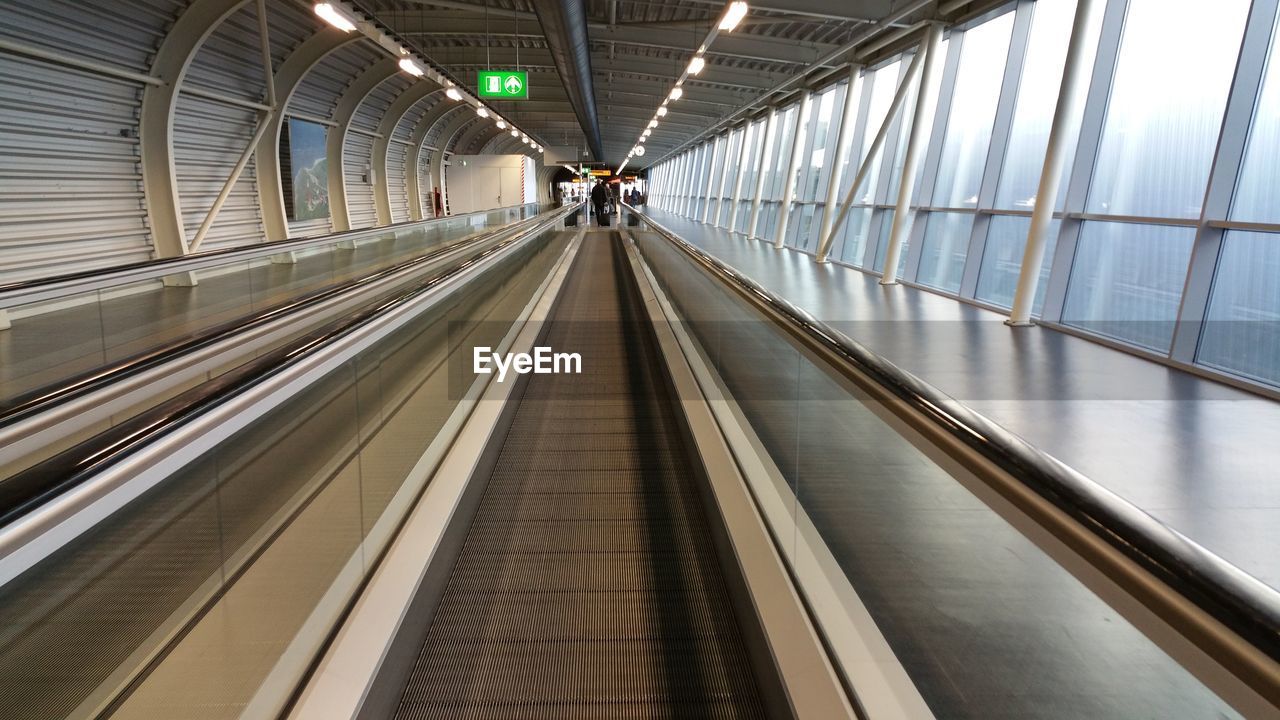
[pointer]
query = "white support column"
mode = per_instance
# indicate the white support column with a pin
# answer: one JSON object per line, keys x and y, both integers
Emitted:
{"x": 724, "y": 177}
{"x": 1075, "y": 79}
{"x": 770, "y": 129}
{"x": 844, "y": 138}
{"x": 695, "y": 166}
{"x": 899, "y": 96}
{"x": 716, "y": 152}
{"x": 741, "y": 174}
{"x": 902, "y": 213}
{"x": 686, "y": 167}
{"x": 789, "y": 188}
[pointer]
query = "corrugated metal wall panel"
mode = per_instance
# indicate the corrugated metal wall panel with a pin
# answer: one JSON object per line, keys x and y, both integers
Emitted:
{"x": 319, "y": 91}
{"x": 209, "y": 136}
{"x": 70, "y": 182}
{"x": 367, "y": 117}
{"x": 208, "y": 139}
{"x": 397, "y": 178}
{"x": 358, "y": 154}
{"x": 409, "y": 123}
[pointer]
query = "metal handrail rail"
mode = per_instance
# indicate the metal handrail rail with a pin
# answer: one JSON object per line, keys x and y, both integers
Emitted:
{"x": 41, "y": 400}
{"x": 1241, "y": 602}
{"x": 31, "y": 488}
{"x": 51, "y": 288}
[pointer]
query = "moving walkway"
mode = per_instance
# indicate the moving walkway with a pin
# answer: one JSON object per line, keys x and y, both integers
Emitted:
{"x": 733, "y": 511}
{"x": 87, "y": 350}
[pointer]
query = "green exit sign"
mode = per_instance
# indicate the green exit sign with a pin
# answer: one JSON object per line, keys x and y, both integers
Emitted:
{"x": 504, "y": 84}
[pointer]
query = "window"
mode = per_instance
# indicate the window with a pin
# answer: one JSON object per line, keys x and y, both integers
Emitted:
{"x": 1255, "y": 199}
{"x": 777, "y": 168}
{"x": 728, "y": 178}
{"x": 973, "y": 111}
{"x": 1037, "y": 100}
{"x": 884, "y": 83}
{"x": 1002, "y": 261}
{"x": 946, "y": 242}
{"x": 1165, "y": 107}
{"x": 1242, "y": 329}
{"x": 1126, "y": 281}
{"x": 748, "y": 176}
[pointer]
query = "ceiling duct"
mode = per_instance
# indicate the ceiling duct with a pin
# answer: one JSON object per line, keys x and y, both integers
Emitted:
{"x": 564, "y": 24}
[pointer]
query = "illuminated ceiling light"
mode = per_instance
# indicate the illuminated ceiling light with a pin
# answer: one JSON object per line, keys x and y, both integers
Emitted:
{"x": 646, "y": 132}
{"x": 502, "y": 124}
{"x": 643, "y": 138}
{"x": 733, "y": 15}
{"x": 453, "y": 94}
{"x": 411, "y": 67}
{"x": 676, "y": 93}
{"x": 638, "y": 150}
{"x": 515, "y": 132}
{"x": 482, "y": 112}
{"x": 662, "y": 111}
{"x": 336, "y": 16}
{"x": 696, "y": 65}
{"x": 653, "y": 123}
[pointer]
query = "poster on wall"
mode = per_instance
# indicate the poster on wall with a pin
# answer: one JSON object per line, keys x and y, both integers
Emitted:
{"x": 310, "y": 170}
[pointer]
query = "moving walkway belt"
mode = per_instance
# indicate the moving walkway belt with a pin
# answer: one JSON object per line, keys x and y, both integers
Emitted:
{"x": 588, "y": 584}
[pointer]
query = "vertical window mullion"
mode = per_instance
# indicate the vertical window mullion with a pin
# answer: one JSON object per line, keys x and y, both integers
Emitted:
{"x": 998, "y": 145}
{"x": 1095, "y": 111}
{"x": 1224, "y": 175}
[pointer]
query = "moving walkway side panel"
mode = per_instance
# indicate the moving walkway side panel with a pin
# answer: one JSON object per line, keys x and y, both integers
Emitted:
{"x": 587, "y": 584}
{"x": 212, "y": 589}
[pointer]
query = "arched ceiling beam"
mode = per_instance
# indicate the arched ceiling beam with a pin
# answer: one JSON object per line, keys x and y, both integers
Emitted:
{"x": 294, "y": 69}
{"x": 155, "y": 123}
{"x": 343, "y": 112}
{"x": 404, "y": 102}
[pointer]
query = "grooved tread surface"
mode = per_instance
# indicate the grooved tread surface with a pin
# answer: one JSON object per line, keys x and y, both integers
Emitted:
{"x": 588, "y": 586}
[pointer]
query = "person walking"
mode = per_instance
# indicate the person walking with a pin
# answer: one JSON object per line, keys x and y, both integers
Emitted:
{"x": 600, "y": 198}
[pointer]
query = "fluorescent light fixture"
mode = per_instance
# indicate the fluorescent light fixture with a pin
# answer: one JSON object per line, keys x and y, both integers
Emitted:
{"x": 515, "y": 132}
{"x": 453, "y": 94}
{"x": 662, "y": 111}
{"x": 676, "y": 93}
{"x": 502, "y": 124}
{"x": 733, "y": 15}
{"x": 696, "y": 65}
{"x": 336, "y": 15}
{"x": 653, "y": 123}
{"x": 411, "y": 67}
